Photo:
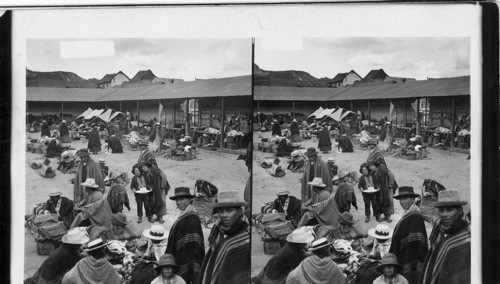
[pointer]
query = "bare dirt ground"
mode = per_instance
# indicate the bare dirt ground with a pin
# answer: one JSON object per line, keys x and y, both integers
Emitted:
{"x": 221, "y": 169}
{"x": 449, "y": 168}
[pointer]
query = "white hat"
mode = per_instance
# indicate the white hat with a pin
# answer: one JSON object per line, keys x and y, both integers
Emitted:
{"x": 101, "y": 160}
{"x": 317, "y": 181}
{"x": 382, "y": 232}
{"x": 282, "y": 191}
{"x": 330, "y": 160}
{"x": 55, "y": 192}
{"x": 300, "y": 235}
{"x": 156, "y": 232}
{"x": 90, "y": 182}
{"x": 319, "y": 243}
{"x": 75, "y": 237}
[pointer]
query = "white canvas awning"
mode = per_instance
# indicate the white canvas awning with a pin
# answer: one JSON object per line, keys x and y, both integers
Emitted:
{"x": 109, "y": 114}
{"x": 325, "y": 112}
{"x": 85, "y": 113}
{"x": 318, "y": 111}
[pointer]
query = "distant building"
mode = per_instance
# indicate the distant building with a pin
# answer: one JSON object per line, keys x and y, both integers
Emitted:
{"x": 147, "y": 76}
{"x": 379, "y": 76}
{"x": 344, "y": 79}
{"x": 111, "y": 80}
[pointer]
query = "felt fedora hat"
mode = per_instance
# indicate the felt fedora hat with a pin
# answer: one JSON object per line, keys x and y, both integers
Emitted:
{"x": 166, "y": 260}
{"x": 405, "y": 191}
{"x": 311, "y": 152}
{"x": 343, "y": 174}
{"x": 282, "y": 191}
{"x": 96, "y": 244}
{"x": 381, "y": 231}
{"x": 300, "y": 236}
{"x": 156, "y": 232}
{"x": 182, "y": 192}
{"x": 372, "y": 142}
{"x": 55, "y": 192}
{"x": 83, "y": 153}
{"x": 449, "y": 198}
{"x": 347, "y": 217}
{"x": 229, "y": 198}
{"x": 319, "y": 244}
{"x": 119, "y": 219}
{"x": 389, "y": 259}
{"x": 75, "y": 237}
{"x": 90, "y": 182}
{"x": 317, "y": 181}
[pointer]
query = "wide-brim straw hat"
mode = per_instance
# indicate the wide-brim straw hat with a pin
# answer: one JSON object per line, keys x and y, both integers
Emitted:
{"x": 319, "y": 244}
{"x": 311, "y": 152}
{"x": 330, "y": 160}
{"x": 317, "y": 181}
{"x": 229, "y": 198}
{"x": 115, "y": 175}
{"x": 405, "y": 191}
{"x": 449, "y": 198}
{"x": 381, "y": 231}
{"x": 95, "y": 244}
{"x": 75, "y": 237}
{"x": 343, "y": 174}
{"x": 282, "y": 191}
{"x": 101, "y": 160}
{"x": 55, "y": 192}
{"x": 166, "y": 260}
{"x": 300, "y": 236}
{"x": 156, "y": 232}
{"x": 389, "y": 259}
{"x": 90, "y": 182}
{"x": 347, "y": 217}
{"x": 182, "y": 192}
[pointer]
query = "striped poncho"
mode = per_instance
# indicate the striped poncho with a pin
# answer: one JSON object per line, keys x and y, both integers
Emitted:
{"x": 448, "y": 260}
{"x": 344, "y": 197}
{"x": 409, "y": 243}
{"x": 228, "y": 258}
{"x": 117, "y": 197}
{"x": 185, "y": 243}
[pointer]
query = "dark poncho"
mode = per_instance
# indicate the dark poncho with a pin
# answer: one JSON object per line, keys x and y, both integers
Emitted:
{"x": 324, "y": 142}
{"x": 279, "y": 266}
{"x": 45, "y": 130}
{"x": 56, "y": 265}
{"x": 344, "y": 197}
{"x": 64, "y": 129}
{"x": 185, "y": 243}
{"x": 115, "y": 145}
{"x": 53, "y": 150}
{"x": 409, "y": 243}
{"x": 65, "y": 211}
{"x": 346, "y": 144}
{"x": 294, "y": 129}
{"x": 284, "y": 149}
{"x": 94, "y": 144}
{"x": 117, "y": 197}
{"x": 293, "y": 210}
{"x": 276, "y": 130}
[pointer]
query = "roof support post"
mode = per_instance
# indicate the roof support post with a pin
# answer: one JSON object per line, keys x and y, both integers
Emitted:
{"x": 210, "y": 118}
{"x": 62, "y": 110}
{"x": 174, "y": 114}
{"x": 222, "y": 123}
{"x": 352, "y": 105}
{"x": 199, "y": 114}
{"x": 293, "y": 108}
{"x": 120, "y": 106}
{"x": 453, "y": 114}
{"x": 418, "y": 116}
{"x": 187, "y": 117}
{"x": 369, "y": 114}
{"x": 258, "y": 112}
{"x": 406, "y": 111}
{"x": 138, "y": 112}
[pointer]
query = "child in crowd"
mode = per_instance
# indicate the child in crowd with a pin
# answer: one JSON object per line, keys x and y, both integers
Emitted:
{"x": 390, "y": 269}
{"x": 166, "y": 270}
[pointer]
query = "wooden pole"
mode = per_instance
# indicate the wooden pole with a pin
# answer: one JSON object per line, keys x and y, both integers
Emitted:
{"x": 293, "y": 108}
{"x": 406, "y": 111}
{"x": 369, "y": 114}
{"x": 222, "y": 122}
{"x": 258, "y": 112}
{"x": 210, "y": 118}
{"x": 418, "y": 117}
{"x": 199, "y": 113}
{"x": 453, "y": 114}
{"x": 62, "y": 110}
{"x": 352, "y": 105}
{"x": 137, "y": 110}
{"x": 187, "y": 117}
{"x": 120, "y": 106}
{"x": 174, "y": 115}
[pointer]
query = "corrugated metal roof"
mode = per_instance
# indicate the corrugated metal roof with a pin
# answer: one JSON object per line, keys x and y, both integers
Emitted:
{"x": 456, "y": 86}
{"x": 40, "y": 94}
{"x": 224, "y": 87}
{"x": 266, "y": 93}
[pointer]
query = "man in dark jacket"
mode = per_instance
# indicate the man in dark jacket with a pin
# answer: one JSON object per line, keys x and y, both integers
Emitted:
{"x": 61, "y": 206}
{"x": 289, "y": 205}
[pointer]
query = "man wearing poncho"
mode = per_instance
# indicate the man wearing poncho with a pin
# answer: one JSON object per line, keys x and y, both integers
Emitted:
{"x": 315, "y": 167}
{"x": 321, "y": 208}
{"x": 157, "y": 181}
{"x": 448, "y": 259}
{"x": 94, "y": 144}
{"x": 228, "y": 257}
{"x": 185, "y": 241}
{"x": 276, "y": 128}
{"x": 94, "y": 209}
{"x": 375, "y": 154}
{"x": 88, "y": 168}
{"x": 409, "y": 241}
{"x": 117, "y": 195}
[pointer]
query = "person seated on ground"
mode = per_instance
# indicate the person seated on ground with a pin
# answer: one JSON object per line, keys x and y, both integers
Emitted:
{"x": 347, "y": 230}
{"x": 287, "y": 258}
{"x": 59, "y": 205}
{"x": 117, "y": 195}
{"x": 345, "y": 144}
{"x": 119, "y": 231}
{"x": 284, "y": 149}
{"x": 345, "y": 195}
{"x": 64, "y": 257}
{"x": 157, "y": 244}
{"x": 276, "y": 170}
{"x": 285, "y": 203}
{"x": 46, "y": 170}
{"x": 94, "y": 209}
{"x": 104, "y": 168}
{"x": 185, "y": 141}
{"x": 67, "y": 162}
{"x": 94, "y": 268}
{"x": 332, "y": 167}
{"x": 54, "y": 149}
{"x": 167, "y": 271}
{"x": 390, "y": 269}
{"x": 297, "y": 162}
{"x": 381, "y": 244}
{"x": 114, "y": 144}
{"x": 321, "y": 208}
{"x": 318, "y": 268}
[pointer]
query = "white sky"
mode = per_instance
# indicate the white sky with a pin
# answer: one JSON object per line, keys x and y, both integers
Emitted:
{"x": 414, "y": 57}
{"x": 170, "y": 58}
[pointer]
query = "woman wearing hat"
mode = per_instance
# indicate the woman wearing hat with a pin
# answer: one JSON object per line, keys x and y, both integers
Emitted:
{"x": 61, "y": 206}
{"x": 324, "y": 141}
{"x": 64, "y": 132}
{"x": 117, "y": 195}
{"x": 94, "y": 209}
{"x": 114, "y": 145}
{"x": 390, "y": 269}
{"x": 139, "y": 187}
{"x": 347, "y": 229}
{"x": 296, "y": 163}
{"x": 155, "y": 137}
{"x": 285, "y": 203}
{"x": 287, "y": 258}
{"x": 276, "y": 128}
{"x": 295, "y": 131}
{"x": 167, "y": 270}
{"x": 157, "y": 243}
{"x": 185, "y": 240}
{"x": 67, "y": 162}
{"x": 344, "y": 196}
{"x": 45, "y": 129}
{"x": 64, "y": 257}
{"x": 94, "y": 144}
{"x": 94, "y": 268}
{"x": 120, "y": 230}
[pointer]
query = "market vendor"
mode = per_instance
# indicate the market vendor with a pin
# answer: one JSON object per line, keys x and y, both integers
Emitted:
{"x": 345, "y": 196}
{"x": 121, "y": 230}
{"x": 60, "y": 205}
{"x": 276, "y": 128}
{"x": 285, "y": 203}
{"x": 54, "y": 149}
{"x": 295, "y": 131}
{"x": 287, "y": 258}
{"x": 284, "y": 149}
{"x": 321, "y": 208}
{"x": 67, "y": 162}
{"x": 94, "y": 209}
{"x": 345, "y": 144}
{"x": 296, "y": 163}
{"x": 114, "y": 144}
{"x": 347, "y": 229}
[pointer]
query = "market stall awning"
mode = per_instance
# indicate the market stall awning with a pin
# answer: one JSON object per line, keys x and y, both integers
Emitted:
{"x": 85, "y": 113}
{"x": 316, "y": 112}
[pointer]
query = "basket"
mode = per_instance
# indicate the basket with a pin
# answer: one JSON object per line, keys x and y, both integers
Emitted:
{"x": 44, "y": 247}
{"x": 271, "y": 245}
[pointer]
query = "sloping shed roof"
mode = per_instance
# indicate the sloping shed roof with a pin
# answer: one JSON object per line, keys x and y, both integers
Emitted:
{"x": 39, "y": 94}
{"x": 266, "y": 93}
{"x": 457, "y": 86}
{"x": 106, "y": 79}
{"x": 144, "y": 75}
{"x": 339, "y": 77}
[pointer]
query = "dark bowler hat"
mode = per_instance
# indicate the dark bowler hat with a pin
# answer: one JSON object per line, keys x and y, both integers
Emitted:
{"x": 182, "y": 192}
{"x": 83, "y": 153}
{"x": 166, "y": 260}
{"x": 311, "y": 152}
{"x": 389, "y": 259}
{"x": 405, "y": 191}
